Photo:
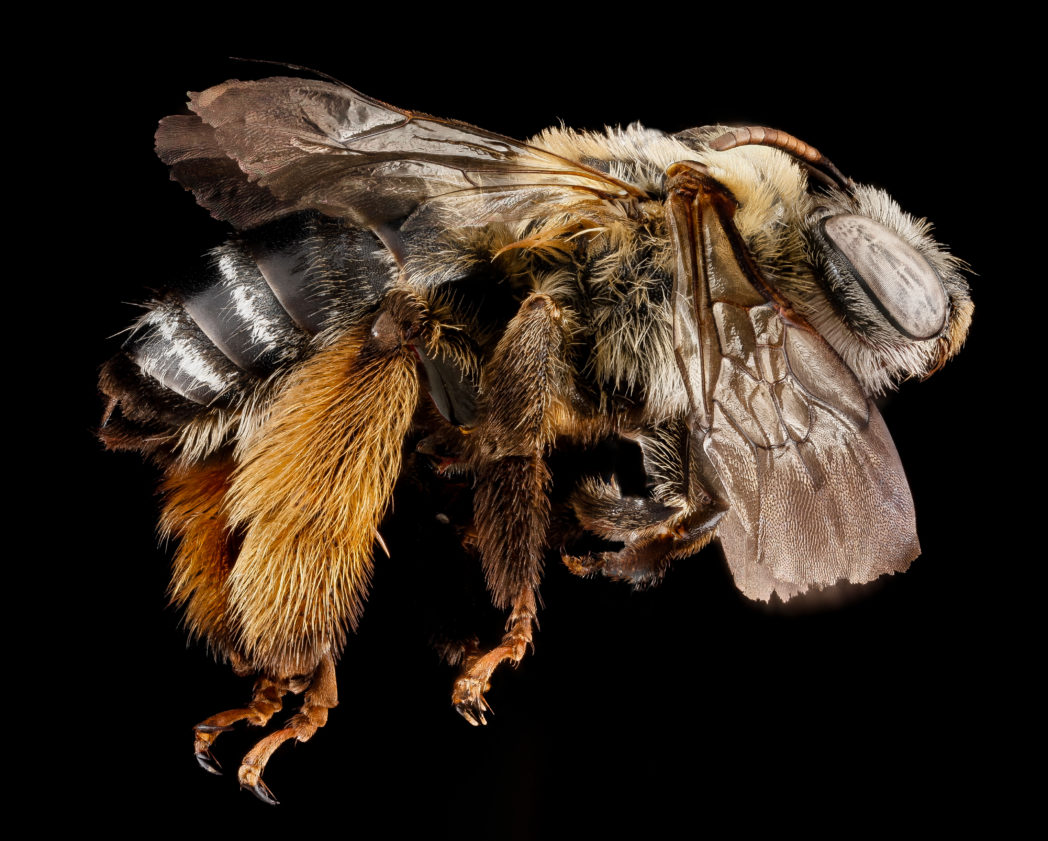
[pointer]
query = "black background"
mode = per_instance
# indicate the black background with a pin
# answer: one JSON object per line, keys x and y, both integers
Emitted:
{"x": 686, "y": 703}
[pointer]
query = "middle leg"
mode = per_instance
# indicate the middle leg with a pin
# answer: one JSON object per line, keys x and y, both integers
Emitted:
{"x": 511, "y": 511}
{"x": 522, "y": 392}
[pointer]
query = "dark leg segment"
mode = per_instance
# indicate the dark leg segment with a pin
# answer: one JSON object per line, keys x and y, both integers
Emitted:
{"x": 522, "y": 382}
{"x": 643, "y": 562}
{"x": 512, "y": 515}
{"x": 654, "y": 533}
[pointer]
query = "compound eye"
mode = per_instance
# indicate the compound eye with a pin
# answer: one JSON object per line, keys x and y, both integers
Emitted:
{"x": 893, "y": 274}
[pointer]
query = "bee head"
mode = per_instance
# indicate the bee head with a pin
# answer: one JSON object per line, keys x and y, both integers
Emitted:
{"x": 868, "y": 276}
{"x": 900, "y": 304}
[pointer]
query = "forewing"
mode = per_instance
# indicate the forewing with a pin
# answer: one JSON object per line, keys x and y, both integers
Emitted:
{"x": 199, "y": 163}
{"x": 817, "y": 493}
{"x": 815, "y": 487}
{"x": 302, "y": 144}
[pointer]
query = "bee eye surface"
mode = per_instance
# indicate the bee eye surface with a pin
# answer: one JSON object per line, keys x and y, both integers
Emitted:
{"x": 895, "y": 276}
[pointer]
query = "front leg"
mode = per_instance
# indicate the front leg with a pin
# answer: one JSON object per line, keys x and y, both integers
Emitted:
{"x": 643, "y": 561}
{"x": 678, "y": 521}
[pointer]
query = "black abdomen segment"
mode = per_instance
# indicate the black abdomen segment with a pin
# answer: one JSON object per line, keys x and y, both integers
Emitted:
{"x": 254, "y": 311}
{"x": 257, "y": 307}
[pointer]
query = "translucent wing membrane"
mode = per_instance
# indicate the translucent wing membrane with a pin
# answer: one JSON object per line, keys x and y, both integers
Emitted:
{"x": 253, "y": 151}
{"x": 815, "y": 488}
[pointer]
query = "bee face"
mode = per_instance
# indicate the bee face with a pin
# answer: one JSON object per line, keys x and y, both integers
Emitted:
{"x": 896, "y": 303}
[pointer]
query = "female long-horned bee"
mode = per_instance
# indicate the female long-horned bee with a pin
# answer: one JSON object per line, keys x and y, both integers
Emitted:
{"x": 406, "y": 293}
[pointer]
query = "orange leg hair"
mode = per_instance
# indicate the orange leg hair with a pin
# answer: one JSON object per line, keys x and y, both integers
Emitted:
{"x": 309, "y": 494}
{"x": 305, "y": 501}
{"x": 193, "y": 512}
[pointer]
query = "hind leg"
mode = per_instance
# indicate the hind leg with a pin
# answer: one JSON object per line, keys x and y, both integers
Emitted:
{"x": 194, "y": 513}
{"x": 304, "y": 502}
{"x": 266, "y": 700}
{"x": 321, "y": 695}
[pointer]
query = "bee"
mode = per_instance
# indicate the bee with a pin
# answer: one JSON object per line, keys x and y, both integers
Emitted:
{"x": 409, "y": 299}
